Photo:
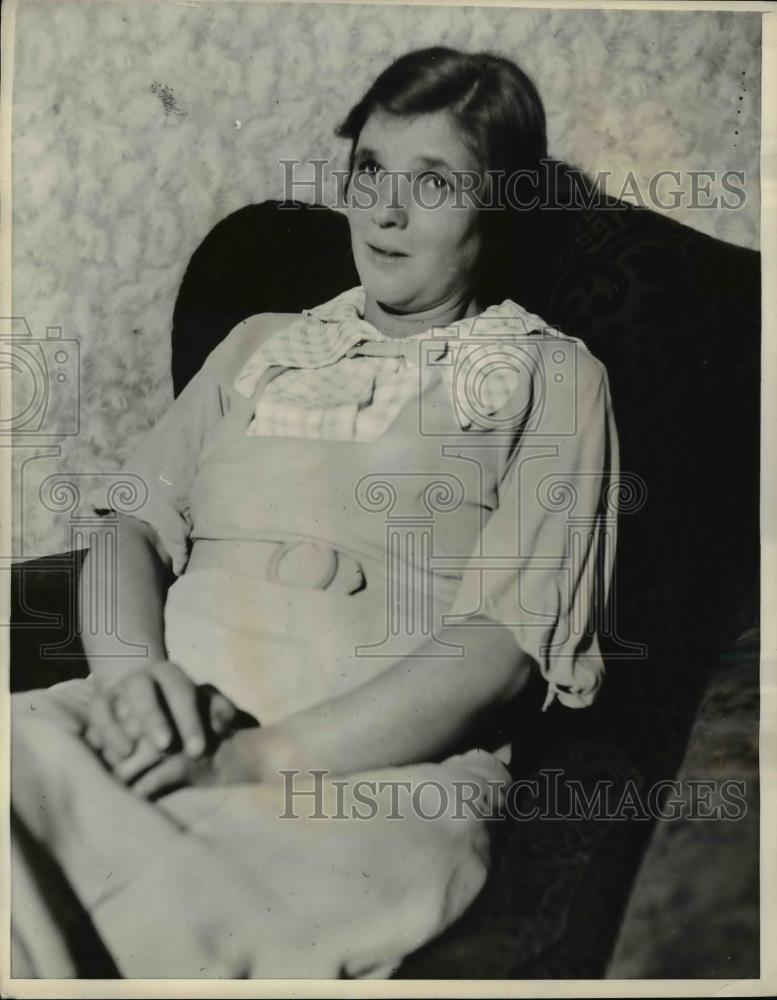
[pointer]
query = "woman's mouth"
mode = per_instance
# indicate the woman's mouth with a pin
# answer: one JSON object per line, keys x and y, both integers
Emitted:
{"x": 385, "y": 256}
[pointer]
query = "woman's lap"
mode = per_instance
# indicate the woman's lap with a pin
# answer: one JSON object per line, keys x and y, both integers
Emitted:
{"x": 311, "y": 877}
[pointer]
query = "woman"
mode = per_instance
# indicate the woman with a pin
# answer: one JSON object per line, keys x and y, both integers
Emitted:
{"x": 348, "y": 556}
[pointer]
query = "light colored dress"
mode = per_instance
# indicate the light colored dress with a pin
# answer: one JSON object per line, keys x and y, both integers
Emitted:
{"x": 469, "y": 470}
{"x": 482, "y": 455}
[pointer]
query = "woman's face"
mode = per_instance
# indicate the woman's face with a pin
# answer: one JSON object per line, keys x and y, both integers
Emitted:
{"x": 415, "y": 244}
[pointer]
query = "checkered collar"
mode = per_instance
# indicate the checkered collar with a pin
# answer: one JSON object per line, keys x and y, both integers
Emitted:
{"x": 350, "y": 306}
{"x": 347, "y": 305}
{"x": 326, "y": 333}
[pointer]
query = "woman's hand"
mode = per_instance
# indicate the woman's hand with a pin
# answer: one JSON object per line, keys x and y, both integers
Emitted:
{"x": 240, "y": 757}
{"x": 150, "y": 775}
{"x": 154, "y": 716}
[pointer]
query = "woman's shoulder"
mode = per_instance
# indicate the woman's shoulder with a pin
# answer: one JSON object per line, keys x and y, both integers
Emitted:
{"x": 228, "y": 358}
{"x": 539, "y": 361}
{"x": 534, "y": 334}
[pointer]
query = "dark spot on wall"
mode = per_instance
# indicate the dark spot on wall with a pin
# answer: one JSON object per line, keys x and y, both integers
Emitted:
{"x": 167, "y": 97}
{"x": 136, "y": 329}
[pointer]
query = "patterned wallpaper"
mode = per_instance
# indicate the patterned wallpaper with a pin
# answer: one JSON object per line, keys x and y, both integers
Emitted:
{"x": 138, "y": 125}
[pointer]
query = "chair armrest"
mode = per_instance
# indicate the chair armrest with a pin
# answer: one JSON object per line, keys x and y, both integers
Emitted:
{"x": 45, "y": 645}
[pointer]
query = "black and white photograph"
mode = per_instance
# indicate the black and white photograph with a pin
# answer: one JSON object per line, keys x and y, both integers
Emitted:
{"x": 384, "y": 541}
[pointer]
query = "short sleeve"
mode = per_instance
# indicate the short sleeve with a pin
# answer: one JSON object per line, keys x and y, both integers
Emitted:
{"x": 158, "y": 473}
{"x": 544, "y": 560}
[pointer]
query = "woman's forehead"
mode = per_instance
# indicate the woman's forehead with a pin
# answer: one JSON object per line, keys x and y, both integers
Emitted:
{"x": 429, "y": 139}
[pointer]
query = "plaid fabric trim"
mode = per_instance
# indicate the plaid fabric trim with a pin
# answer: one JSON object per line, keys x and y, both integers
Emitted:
{"x": 342, "y": 379}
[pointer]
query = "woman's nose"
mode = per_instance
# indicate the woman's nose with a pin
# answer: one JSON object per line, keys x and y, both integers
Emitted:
{"x": 391, "y": 208}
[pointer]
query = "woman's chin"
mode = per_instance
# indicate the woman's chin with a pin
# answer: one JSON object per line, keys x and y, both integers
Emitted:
{"x": 389, "y": 293}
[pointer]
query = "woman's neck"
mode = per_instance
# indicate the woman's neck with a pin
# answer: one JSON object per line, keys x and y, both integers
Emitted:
{"x": 396, "y": 324}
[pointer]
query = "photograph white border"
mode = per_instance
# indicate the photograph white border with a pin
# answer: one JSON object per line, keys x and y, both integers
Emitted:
{"x": 767, "y": 984}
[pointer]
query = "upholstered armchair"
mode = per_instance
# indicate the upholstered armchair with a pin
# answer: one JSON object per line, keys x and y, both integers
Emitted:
{"x": 674, "y": 315}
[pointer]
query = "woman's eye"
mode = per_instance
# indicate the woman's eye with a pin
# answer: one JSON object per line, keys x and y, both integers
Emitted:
{"x": 369, "y": 167}
{"x": 437, "y": 181}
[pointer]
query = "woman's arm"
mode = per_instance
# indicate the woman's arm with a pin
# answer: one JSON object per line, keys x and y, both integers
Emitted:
{"x": 138, "y": 585}
{"x": 419, "y": 709}
{"x": 143, "y": 575}
{"x": 153, "y": 547}
{"x": 142, "y": 702}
